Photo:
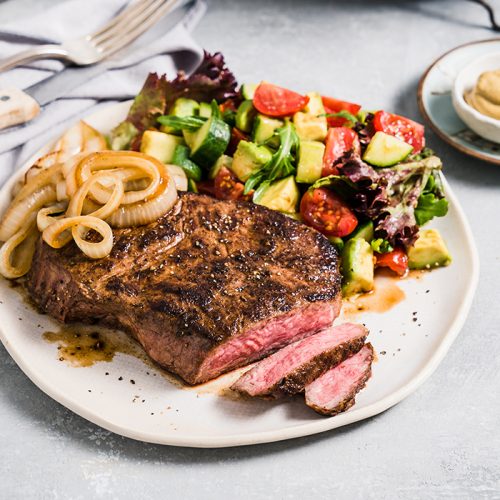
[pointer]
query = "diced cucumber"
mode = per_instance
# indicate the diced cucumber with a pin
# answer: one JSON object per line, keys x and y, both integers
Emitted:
{"x": 205, "y": 110}
{"x": 181, "y": 153}
{"x": 160, "y": 145}
{"x": 282, "y": 195}
{"x": 428, "y": 251}
{"x": 223, "y": 161}
{"x": 385, "y": 150}
{"x": 245, "y": 116}
{"x": 248, "y": 158}
{"x": 357, "y": 267}
{"x": 264, "y": 128}
{"x": 310, "y": 162}
{"x": 181, "y": 158}
{"x": 184, "y": 107}
{"x": 181, "y": 107}
{"x": 364, "y": 230}
{"x": 210, "y": 141}
{"x": 248, "y": 90}
{"x": 310, "y": 126}
{"x": 189, "y": 137}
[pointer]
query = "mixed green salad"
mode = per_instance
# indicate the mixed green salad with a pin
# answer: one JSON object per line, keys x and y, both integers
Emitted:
{"x": 362, "y": 178}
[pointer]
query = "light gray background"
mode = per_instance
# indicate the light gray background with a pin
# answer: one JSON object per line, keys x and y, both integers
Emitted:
{"x": 441, "y": 442}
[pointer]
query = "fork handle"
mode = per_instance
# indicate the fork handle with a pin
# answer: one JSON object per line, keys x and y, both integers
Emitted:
{"x": 38, "y": 52}
{"x": 16, "y": 107}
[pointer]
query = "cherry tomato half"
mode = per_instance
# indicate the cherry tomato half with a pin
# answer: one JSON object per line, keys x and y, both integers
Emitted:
{"x": 327, "y": 213}
{"x": 332, "y": 105}
{"x": 272, "y": 100}
{"x": 339, "y": 140}
{"x": 403, "y": 128}
{"x": 227, "y": 185}
{"x": 396, "y": 261}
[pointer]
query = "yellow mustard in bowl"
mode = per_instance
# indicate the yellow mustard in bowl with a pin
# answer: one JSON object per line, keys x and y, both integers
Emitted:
{"x": 485, "y": 96}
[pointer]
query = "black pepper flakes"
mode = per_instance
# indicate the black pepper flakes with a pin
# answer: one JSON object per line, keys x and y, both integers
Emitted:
{"x": 120, "y": 378}
{"x": 132, "y": 382}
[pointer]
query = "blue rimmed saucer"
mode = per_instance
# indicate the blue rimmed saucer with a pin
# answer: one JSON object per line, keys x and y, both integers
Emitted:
{"x": 434, "y": 100}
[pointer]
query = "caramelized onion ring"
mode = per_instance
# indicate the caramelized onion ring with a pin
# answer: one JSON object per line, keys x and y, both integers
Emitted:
{"x": 20, "y": 210}
{"x": 142, "y": 165}
{"x": 144, "y": 212}
{"x": 55, "y": 235}
{"x": 20, "y": 246}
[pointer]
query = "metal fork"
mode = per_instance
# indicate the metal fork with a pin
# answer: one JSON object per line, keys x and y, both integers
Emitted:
{"x": 90, "y": 49}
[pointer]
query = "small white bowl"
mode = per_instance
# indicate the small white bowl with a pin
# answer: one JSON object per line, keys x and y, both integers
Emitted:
{"x": 483, "y": 125}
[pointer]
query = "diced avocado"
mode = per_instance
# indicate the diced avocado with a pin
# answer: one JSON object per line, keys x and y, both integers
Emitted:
{"x": 357, "y": 267}
{"x": 310, "y": 126}
{"x": 248, "y": 158}
{"x": 264, "y": 128}
{"x": 385, "y": 150}
{"x": 245, "y": 116}
{"x": 282, "y": 195}
{"x": 248, "y": 90}
{"x": 310, "y": 162}
{"x": 160, "y": 145}
{"x": 364, "y": 230}
{"x": 205, "y": 110}
{"x": 428, "y": 251}
{"x": 181, "y": 107}
{"x": 222, "y": 161}
{"x": 122, "y": 136}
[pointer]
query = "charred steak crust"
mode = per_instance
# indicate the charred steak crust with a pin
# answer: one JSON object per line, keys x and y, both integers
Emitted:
{"x": 199, "y": 276}
{"x": 295, "y": 382}
{"x": 349, "y": 400}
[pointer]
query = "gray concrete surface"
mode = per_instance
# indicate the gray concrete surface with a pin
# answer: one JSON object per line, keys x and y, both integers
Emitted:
{"x": 441, "y": 442}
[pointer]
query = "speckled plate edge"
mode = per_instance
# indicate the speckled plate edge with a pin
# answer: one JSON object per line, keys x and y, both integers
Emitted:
{"x": 354, "y": 415}
{"x": 443, "y": 135}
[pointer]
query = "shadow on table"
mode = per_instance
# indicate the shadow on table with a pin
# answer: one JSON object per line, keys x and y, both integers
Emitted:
{"x": 51, "y": 418}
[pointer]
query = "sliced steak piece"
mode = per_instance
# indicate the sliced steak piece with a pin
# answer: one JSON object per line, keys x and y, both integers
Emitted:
{"x": 289, "y": 370}
{"x": 211, "y": 286}
{"x": 334, "y": 391}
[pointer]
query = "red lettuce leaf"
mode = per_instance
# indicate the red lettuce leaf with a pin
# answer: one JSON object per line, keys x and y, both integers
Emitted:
{"x": 391, "y": 197}
{"x": 211, "y": 80}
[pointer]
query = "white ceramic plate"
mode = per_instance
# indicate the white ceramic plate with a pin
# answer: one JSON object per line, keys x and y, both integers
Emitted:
{"x": 414, "y": 335}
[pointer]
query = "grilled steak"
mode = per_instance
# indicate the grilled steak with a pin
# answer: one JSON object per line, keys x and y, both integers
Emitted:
{"x": 334, "y": 391}
{"x": 211, "y": 286}
{"x": 290, "y": 369}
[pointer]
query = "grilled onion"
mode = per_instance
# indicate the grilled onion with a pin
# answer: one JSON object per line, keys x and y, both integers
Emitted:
{"x": 20, "y": 210}
{"x": 55, "y": 235}
{"x": 74, "y": 198}
{"x": 17, "y": 252}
